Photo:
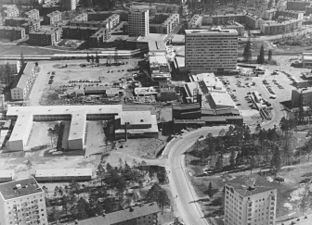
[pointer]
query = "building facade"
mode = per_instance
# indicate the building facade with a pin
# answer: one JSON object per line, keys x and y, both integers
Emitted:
{"x": 68, "y": 5}
{"x": 164, "y": 23}
{"x": 9, "y": 11}
{"x": 22, "y": 202}
{"x": 53, "y": 18}
{"x": 138, "y": 22}
{"x": 249, "y": 204}
{"x": 44, "y": 38}
{"x": 12, "y": 33}
{"x": 211, "y": 50}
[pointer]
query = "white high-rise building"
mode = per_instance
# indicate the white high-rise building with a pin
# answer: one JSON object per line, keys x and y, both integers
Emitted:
{"x": 249, "y": 202}
{"x": 138, "y": 21}
{"x": 22, "y": 202}
{"x": 211, "y": 50}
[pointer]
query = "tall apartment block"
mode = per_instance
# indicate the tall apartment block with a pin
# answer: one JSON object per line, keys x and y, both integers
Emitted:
{"x": 138, "y": 21}
{"x": 22, "y": 202}
{"x": 249, "y": 202}
{"x": 211, "y": 50}
{"x": 68, "y": 5}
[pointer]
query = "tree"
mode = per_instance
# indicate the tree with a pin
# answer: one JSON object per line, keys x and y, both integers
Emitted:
{"x": 158, "y": 195}
{"x": 276, "y": 162}
{"x": 210, "y": 190}
{"x": 232, "y": 159}
{"x": 270, "y": 55}
{"x": 92, "y": 58}
{"x": 261, "y": 55}
{"x": 83, "y": 208}
{"x": 247, "y": 51}
{"x": 97, "y": 58}
{"x": 219, "y": 162}
{"x": 51, "y": 135}
{"x": 88, "y": 57}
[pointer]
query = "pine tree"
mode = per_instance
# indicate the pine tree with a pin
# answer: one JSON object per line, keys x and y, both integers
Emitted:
{"x": 261, "y": 55}
{"x": 270, "y": 55}
{"x": 88, "y": 57}
{"x": 219, "y": 163}
{"x": 247, "y": 51}
{"x": 92, "y": 58}
{"x": 232, "y": 159}
{"x": 210, "y": 190}
{"x": 97, "y": 58}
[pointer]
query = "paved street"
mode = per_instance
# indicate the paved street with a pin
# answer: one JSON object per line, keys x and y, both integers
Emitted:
{"x": 181, "y": 187}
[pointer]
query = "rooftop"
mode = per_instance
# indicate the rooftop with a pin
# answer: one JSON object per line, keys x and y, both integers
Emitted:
{"x": 15, "y": 189}
{"x": 212, "y": 32}
{"x": 222, "y": 99}
{"x": 247, "y": 186}
{"x": 122, "y": 215}
{"x": 67, "y": 172}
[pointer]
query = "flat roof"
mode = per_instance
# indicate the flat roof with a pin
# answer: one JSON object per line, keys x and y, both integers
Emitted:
{"x": 260, "y": 184}
{"x": 6, "y": 173}
{"x": 122, "y": 215}
{"x": 222, "y": 98}
{"x": 26, "y": 75}
{"x": 66, "y": 172}
{"x": 136, "y": 117}
{"x": 212, "y": 32}
{"x": 15, "y": 189}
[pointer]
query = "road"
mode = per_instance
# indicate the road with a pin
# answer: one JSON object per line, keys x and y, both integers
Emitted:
{"x": 182, "y": 190}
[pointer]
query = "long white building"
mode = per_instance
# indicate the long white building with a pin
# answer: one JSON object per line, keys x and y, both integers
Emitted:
{"x": 211, "y": 50}
{"x": 249, "y": 202}
{"x": 139, "y": 122}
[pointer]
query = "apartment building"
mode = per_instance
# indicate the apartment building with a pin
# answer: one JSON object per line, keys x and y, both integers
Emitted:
{"x": 53, "y": 18}
{"x": 9, "y": 11}
{"x": 68, "y": 5}
{"x": 164, "y": 23}
{"x": 33, "y": 14}
{"x": 12, "y": 33}
{"x": 22, "y": 202}
{"x": 250, "y": 201}
{"x": 274, "y": 27}
{"x": 212, "y": 50}
{"x": 112, "y": 20}
{"x": 45, "y": 37}
{"x": 24, "y": 84}
{"x": 146, "y": 214}
{"x": 138, "y": 21}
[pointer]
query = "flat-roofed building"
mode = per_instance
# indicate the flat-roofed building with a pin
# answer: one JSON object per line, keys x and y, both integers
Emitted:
{"x": 33, "y": 14}
{"x": 24, "y": 84}
{"x": 307, "y": 60}
{"x": 6, "y": 175}
{"x": 138, "y": 21}
{"x": 164, "y": 23}
{"x": 250, "y": 201}
{"x": 146, "y": 214}
{"x": 159, "y": 66}
{"x": 12, "y": 33}
{"x": 302, "y": 94}
{"x": 68, "y": 5}
{"x": 64, "y": 175}
{"x": 298, "y": 5}
{"x": 22, "y": 201}
{"x": 53, "y": 18}
{"x": 78, "y": 115}
{"x": 45, "y": 37}
{"x": 211, "y": 50}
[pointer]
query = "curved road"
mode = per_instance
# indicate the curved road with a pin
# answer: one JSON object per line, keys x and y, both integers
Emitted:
{"x": 182, "y": 190}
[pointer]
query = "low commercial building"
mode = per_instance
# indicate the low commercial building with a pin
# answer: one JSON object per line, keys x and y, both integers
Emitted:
{"x": 63, "y": 175}
{"x": 12, "y": 33}
{"x": 303, "y": 95}
{"x": 159, "y": 66}
{"x": 146, "y": 214}
{"x": 164, "y": 23}
{"x": 53, "y": 18}
{"x": 250, "y": 201}
{"x": 6, "y": 175}
{"x": 23, "y": 85}
{"x": 78, "y": 115}
{"x": 22, "y": 201}
{"x": 45, "y": 37}
{"x": 307, "y": 60}
{"x": 9, "y": 11}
